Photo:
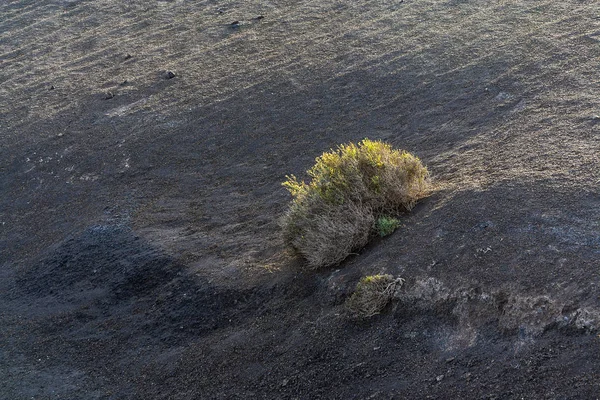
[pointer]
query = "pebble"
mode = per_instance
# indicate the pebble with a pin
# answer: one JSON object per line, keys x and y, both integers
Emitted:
{"x": 168, "y": 74}
{"x": 502, "y": 96}
{"x": 108, "y": 95}
{"x": 235, "y": 24}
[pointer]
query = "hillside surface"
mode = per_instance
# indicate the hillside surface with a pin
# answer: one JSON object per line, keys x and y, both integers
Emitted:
{"x": 140, "y": 253}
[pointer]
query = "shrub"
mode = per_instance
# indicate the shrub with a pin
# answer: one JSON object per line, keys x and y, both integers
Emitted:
{"x": 350, "y": 188}
{"x": 387, "y": 225}
{"x": 372, "y": 294}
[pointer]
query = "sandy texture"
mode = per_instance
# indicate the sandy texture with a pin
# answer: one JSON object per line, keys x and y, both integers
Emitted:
{"x": 140, "y": 255}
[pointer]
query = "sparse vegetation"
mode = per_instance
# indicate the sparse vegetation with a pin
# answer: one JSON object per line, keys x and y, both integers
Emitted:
{"x": 387, "y": 225}
{"x": 350, "y": 195}
{"x": 372, "y": 294}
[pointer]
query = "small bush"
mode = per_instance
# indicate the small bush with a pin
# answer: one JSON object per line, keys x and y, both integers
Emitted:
{"x": 387, "y": 225}
{"x": 372, "y": 294}
{"x": 350, "y": 188}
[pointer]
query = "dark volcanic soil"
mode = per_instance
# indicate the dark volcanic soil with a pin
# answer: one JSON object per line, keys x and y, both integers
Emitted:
{"x": 140, "y": 254}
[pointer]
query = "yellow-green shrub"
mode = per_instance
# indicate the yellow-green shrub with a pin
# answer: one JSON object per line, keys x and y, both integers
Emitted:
{"x": 349, "y": 189}
{"x": 372, "y": 294}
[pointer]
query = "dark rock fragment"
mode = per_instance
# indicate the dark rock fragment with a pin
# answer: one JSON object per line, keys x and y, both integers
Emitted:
{"x": 168, "y": 74}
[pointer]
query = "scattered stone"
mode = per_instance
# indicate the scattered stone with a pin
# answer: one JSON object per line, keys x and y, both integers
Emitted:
{"x": 108, "y": 95}
{"x": 235, "y": 24}
{"x": 51, "y": 87}
{"x": 125, "y": 82}
{"x": 502, "y": 96}
{"x": 449, "y": 360}
{"x": 220, "y": 11}
{"x": 258, "y": 18}
{"x": 127, "y": 56}
{"x": 439, "y": 378}
{"x": 168, "y": 74}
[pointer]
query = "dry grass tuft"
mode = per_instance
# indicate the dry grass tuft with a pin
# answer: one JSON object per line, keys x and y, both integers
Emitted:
{"x": 372, "y": 294}
{"x": 350, "y": 191}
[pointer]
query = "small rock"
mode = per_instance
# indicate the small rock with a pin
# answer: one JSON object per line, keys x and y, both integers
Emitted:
{"x": 108, "y": 95}
{"x": 127, "y": 56}
{"x": 439, "y": 378}
{"x": 125, "y": 82}
{"x": 258, "y": 18}
{"x": 285, "y": 382}
{"x": 168, "y": 74}
{"x": 220, "y": 11}
{"x": 449, "y": 360}
{"x": 235, "y": 24}
{"x": 51, "y": 87}
{"x": 502, "y": 96}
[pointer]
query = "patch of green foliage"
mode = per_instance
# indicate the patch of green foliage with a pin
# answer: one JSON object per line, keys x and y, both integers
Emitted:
{"x": 387, "y": 225}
